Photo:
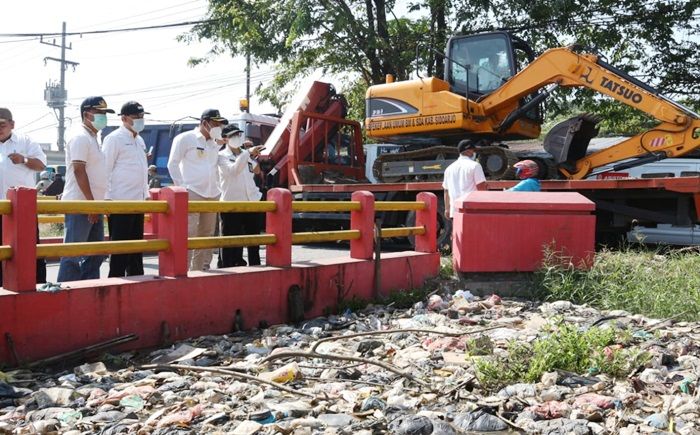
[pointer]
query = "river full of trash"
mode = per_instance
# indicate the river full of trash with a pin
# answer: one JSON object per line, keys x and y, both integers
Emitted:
{"x": 453, "y": 363}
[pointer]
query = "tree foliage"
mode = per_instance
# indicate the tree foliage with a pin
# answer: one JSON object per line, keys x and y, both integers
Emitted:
{"x": 361, "y": 41}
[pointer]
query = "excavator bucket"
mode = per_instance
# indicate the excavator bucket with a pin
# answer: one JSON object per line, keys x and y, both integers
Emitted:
{"x": 568, "y": 141}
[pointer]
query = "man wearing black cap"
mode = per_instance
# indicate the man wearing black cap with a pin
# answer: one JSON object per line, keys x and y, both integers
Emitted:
{"x": 463, "y": 176}
{"x": 127, "y": 179}
{"x": 20, "y": 159}
{"x": 193, "y": 165}
{"x": 86, "y": 179}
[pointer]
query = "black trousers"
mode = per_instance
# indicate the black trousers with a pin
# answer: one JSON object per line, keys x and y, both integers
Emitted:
{"x": 125, "y": 227}
{"x": 236, "y": 224}
{"x": 40, "y": 263}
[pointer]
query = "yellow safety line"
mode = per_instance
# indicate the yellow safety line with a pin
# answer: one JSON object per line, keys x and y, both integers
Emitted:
{"x": 402, "y": 232}
{"x": 231, "y": 206}
{"x": 100, "y": 207}
{"x": 5, "y": 252}
{"x": 50, "y": 219}
{"x": 324, "y": 236}
{"x": 319, "y": 206}
{"x": 230, "y": 241}
{"x": 54, "y": 250}
{"x": 59, "y": 219}
{"x": 398, "y": 205}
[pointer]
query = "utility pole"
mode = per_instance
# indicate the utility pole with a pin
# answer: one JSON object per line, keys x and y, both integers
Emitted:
{"x": 55, "y": 94}
{"x": 247, "y": 81}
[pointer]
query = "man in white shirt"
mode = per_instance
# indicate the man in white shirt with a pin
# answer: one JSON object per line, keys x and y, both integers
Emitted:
{"x": 86, "y": 180}
{"x": 193, "y": 165}
{"x": 237, "y": 169}
{"x": 20, "y": 159}
{"x": 463, "y": 176}
{"x": 127, "y": 179}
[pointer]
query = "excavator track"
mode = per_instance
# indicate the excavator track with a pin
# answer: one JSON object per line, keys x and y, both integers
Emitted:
{"x": 446, "y": 153}
{"x": 497, "y": 162}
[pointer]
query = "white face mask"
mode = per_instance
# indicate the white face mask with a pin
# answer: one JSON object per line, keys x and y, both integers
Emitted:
{"x": 235, "y": 141}
{"x": 138, "y": 125}
{"x": 215, "y": 133}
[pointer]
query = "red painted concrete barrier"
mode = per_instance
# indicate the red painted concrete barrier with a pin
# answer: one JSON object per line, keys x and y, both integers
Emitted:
{"x": 509, "y": 231}
{"x": 279, "y": 223}
{"x": 45, "y": 324}
{"x": 19, "y": 231}
{"x": 173, "y": 227}
{"x": 89, "y": 312}
{"x": 363, "y": 220}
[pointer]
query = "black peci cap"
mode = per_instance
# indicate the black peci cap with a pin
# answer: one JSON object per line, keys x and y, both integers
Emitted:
{"x": 213, "y": 115}
{"x": 132, "y": 108}
{"x": 97, "y": 103}
{"x": 231, "y": 130}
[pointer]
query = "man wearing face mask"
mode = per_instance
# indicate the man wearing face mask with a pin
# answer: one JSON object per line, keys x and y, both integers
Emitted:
{"x": 127, "y": 179}
{"x": 193, "y": 165}
{"x": 237, "y": 168}
{"x": 462, "y": 176}
{"x": 86, "y": 179}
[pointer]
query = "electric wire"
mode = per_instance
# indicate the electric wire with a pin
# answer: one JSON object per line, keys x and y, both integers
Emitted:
{"x": 34, "y": 121}
{"x": 143, "y": 14}
{"x": 120, "y": 30}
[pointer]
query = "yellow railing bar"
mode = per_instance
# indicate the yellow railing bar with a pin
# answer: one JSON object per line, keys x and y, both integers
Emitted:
{"x": 231, "y": 206}
{"x": 5, "y": 207}
{"x": 318, "y": 206}
{"x": 402, "y": 232}
{"x": 5, "y": 252}
{"x": 54, "y": 250}
{"x": 99, "y": 207}
{"x": 324, "y": 236}
{"x": 125, "y": 207}
{"x": 230, "y": 241}
{"x": 59, "y": 219}
{"x": 398, "y": 205}
{"x": 46, "y": 198}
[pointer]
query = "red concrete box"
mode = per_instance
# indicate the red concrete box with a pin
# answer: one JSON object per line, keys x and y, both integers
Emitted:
{"x": 508, "y": 231}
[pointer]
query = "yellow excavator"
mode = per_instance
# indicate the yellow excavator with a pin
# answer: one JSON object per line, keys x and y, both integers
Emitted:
{"x": 492, "y": 92}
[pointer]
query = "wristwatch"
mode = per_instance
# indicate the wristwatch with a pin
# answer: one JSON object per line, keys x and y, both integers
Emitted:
{"x": 24, "y": 160}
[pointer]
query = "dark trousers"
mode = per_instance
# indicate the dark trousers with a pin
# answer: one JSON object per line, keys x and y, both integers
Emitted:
{"x": 125, "y": 227}
{"x": 40, "y": 263}
{"x": 236, "y": 224}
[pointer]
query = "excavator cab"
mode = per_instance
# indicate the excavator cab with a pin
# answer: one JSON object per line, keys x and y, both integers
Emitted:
{"x": 476, "y": 65}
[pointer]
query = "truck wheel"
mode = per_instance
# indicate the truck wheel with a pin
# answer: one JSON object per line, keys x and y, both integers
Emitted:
{"x": 444, "y": 236}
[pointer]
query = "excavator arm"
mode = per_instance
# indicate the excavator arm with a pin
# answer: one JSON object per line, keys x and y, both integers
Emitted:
{"x": 677, "y": 133}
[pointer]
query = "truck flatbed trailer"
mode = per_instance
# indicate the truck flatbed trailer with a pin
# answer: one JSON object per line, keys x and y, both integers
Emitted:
{"x": 621, "y": 204}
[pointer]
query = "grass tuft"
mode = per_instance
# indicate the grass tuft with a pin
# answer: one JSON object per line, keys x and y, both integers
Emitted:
{"x": 562, "y": 347}
{"x": 657, "y": 283}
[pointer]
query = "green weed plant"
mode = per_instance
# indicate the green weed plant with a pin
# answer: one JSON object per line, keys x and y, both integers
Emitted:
{"x": 563, "y": 346}
{"x": 658, "y": 283}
